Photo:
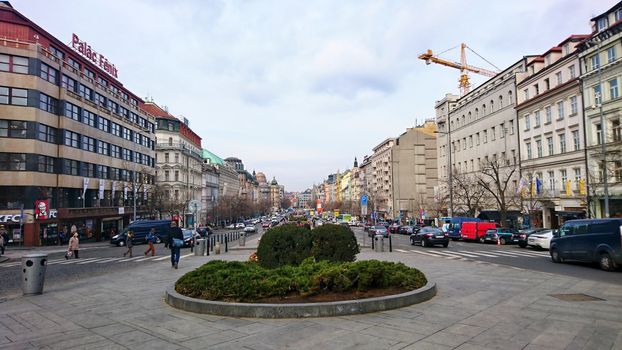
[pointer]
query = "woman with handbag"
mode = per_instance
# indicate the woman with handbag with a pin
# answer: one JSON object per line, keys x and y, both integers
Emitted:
{"x": 74, "y": 244}
{"x": 175, "y": 243}
{"x": 129, "y": 243}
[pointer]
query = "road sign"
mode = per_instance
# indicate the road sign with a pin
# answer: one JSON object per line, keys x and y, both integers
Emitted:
{"x": 364, "y": 199}
{"x": 364, "y": 209}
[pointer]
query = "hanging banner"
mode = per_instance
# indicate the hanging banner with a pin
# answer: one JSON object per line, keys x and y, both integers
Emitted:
{"x": 41, "y": 209}
{"x": 85, "y": 186}
{"x": 102, "y": 184}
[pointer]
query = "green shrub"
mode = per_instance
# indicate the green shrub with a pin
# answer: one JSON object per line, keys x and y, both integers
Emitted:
{"x": 333, "y": 243}
{"x": 248, "y": 281}
{"x": 284, "y": 245}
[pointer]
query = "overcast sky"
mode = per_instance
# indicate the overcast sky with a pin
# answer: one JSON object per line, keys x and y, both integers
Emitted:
{"x": 297, "y": 89}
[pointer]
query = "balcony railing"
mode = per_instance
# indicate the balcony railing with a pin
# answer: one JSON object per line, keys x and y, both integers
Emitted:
{"x": 178, "y": 146}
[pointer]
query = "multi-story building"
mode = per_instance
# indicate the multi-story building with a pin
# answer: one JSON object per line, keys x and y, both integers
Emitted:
{"x": 304, "y": 199}
{"x": 211, "y": 181}
{"x": 179, "y": 163}
{"x": 381, "y": 181}
{"x": 414, "y": 172}
{"x": 550, "y": 125}
{"x": 75, "y": 146}
{"x": 601, "y": 75}
{"x": 481, "y": 131}
{"x": 442, "y": 109}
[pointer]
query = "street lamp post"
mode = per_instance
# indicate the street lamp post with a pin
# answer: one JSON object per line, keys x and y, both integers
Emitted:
{"x": 450, "y": 174}
{"x": 603, "y": 147}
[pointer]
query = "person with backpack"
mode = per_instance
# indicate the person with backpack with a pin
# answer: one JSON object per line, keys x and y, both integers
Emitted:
{"x": 151, "y": 239}
{"x": 129, "y": 243}
{"x": 175, "y": 242}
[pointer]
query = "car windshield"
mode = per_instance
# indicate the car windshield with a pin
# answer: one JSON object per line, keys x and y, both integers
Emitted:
{"x": 430, "y": 230}
{"x": 380, "y": 228}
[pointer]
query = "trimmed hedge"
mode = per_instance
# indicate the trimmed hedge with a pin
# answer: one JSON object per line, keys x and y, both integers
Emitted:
{"x": 290, "y": 245}
{"x": 334, "y": 243}
{"x": 248, "y": 281}
{"x": 284, "y": 245}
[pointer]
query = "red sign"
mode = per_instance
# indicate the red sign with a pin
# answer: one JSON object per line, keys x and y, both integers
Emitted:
{"x": 41, "y": 209}
{"x": 85, "y": 49}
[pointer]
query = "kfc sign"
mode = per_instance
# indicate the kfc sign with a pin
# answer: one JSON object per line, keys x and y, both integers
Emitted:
{"x": 85, "y": 49}
{"x": 41, "y": 209}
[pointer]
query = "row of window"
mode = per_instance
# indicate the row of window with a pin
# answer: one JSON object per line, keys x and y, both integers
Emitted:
{"x": 476, "y": 164}
{"x": 486, "y": 109}
{"x": 550, "y": 145}
{"x": 51, "y": 165}
{"x": 548, "y": 113}
{"x": 594, "y": 60}
{"x": 612, "y": 90}
{"x": 545, "y": 85}
{"x": 23, "y": 129}
{"x": 481, "y": 137}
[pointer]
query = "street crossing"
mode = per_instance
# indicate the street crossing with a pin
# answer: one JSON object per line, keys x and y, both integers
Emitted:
{"x": 100, "y": 260}
{"x": 477, "y": 254}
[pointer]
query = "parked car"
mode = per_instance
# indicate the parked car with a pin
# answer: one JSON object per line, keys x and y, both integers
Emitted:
{"x": 250, "y": 228}
{"x": 188, "y": 237}
{"x": 240, "y": 225}
{"x": 540, "y": 239}
{"x": 522, "y": 236}
{"x": 506, "y": 235}
{"x": 430, "y": 236}
{"x": 230, "y": 226}
{"x": 591, "y": 240}
{"x": 394, "y": 228}
{"x": 204, "y": 231}
{"x": 265, "y": 224}
{"x": 406, "y": 230}
{"x": 378, "y": 230}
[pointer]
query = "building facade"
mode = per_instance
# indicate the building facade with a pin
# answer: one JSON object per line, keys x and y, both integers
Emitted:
{"x": 179, "y": 163}
{"x": 381, "y": 182}
{"x": 550, "y": 123}
{"x": 601, "y": 75}
{"x": 414, "y": 172}
{"x": 75, "y": 146}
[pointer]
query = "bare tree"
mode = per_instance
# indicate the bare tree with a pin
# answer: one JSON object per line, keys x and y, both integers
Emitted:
{"x": 495, "y": 178}
{"x": 469, "y": 194}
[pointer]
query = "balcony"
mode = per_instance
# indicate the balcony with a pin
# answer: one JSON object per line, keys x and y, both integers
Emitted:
{"x": 177, "y": 146}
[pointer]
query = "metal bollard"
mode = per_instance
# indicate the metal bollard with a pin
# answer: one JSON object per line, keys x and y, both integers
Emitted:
{"x": 213, "y": 243}
{"x": 372, "y": 244}
{"x": 390, "y": 244}
{"x": 33, "y": 273}
{"x": 242, "y": 239}
{"x": 207, "y": 247}
{"x": 226, "y": 244}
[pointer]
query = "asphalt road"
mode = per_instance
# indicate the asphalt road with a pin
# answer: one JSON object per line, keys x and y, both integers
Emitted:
{"x": 509, "y": 255}
{"x": 95, "y": 259}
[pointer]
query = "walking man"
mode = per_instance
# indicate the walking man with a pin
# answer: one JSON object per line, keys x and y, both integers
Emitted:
{"x": 129, "y": 243}
{"x": 74, "y": 244}
{"x": 175, "y": 242}
{"x": 151, "y": 239}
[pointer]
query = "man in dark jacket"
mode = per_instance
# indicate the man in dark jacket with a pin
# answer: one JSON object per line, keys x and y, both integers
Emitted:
{"x": 175, "y": 251}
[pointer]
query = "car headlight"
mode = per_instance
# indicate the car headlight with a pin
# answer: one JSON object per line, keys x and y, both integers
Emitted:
{"x": 115, "y": 236}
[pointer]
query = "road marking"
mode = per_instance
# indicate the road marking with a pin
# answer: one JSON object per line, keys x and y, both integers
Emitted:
{"x": 162, "y": 258}
{"x": 449, "y": 255}
{"x": 185, "y": 256}
{"x": 130, "y": 259}
{"x": 145, "y": 259}
{"x": 486, "y": 254}
{"x": 73, "y": 261}
{"x": 91, "y": 261}
{"x": 424, "y": 253}
{"x": 464, "y": 254}
{"x": 401, "y": 250}
{"x": 106, "y": 260}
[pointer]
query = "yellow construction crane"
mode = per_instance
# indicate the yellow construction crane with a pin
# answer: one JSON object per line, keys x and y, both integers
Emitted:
{"x": 464, "y": 83}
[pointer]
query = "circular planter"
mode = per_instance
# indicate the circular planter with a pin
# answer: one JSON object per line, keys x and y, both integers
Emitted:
{"x": 300, "y": 310}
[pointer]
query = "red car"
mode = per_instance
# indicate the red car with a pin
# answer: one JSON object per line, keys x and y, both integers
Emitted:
{"x": 265, "y": 224}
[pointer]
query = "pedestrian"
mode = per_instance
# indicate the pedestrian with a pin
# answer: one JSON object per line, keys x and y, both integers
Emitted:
{"x": 61, "y": 236}
{"x": 175, "y": 242}
{"x": 151, "y": 239}
{"x": 129, "y": 243}
{"x": 74, "y": 244}
{"x": 3, "y": 239}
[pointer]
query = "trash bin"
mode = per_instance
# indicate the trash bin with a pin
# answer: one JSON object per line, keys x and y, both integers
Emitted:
{"x": 33, "y": 273}
{"x": 199, "y": 249}
{"x": 242, "y": 239}
{"x": 379, "y": 246}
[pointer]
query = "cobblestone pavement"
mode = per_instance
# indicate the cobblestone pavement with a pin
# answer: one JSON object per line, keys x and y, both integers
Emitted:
{"x": 479, "y": 305}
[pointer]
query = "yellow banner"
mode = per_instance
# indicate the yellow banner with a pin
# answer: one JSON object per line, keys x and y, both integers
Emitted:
{"x": 582, "y": 188}
{"x": 533, "y": 188}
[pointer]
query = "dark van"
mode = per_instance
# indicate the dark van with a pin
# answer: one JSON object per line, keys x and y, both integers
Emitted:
{"x": 592, "y": 240}
{"x": 141, "y": 228}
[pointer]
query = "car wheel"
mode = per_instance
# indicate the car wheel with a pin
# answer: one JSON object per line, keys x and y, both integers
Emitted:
{"x": 446, "y": 244}
{"x": 606, "y": 263}
{"x": 555, "y": 256}
{"x": 412, "y": 241}
{"x": 502, "y": 241}
{"x": 121, "y": 243}
{"x": 423, "y": 243}
{"x": 481, "y": 240}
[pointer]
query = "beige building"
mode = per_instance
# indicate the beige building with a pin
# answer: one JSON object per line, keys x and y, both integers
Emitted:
{"x": 414, "y": 172}
{"x": 550, "y": 111}
{"x": 601, "y": 75}
{"x": 481, "y": 131}
{"x": 381, "y": 183}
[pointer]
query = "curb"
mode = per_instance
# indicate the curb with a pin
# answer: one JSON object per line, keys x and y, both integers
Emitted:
{"x": 4, "y": 258}
{"x": 300, "y": 310}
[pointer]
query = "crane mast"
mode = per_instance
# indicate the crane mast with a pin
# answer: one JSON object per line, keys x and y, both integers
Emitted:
{"x": 463, "y": 83}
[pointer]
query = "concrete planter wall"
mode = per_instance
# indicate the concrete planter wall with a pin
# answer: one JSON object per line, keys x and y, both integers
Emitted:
{"x": 325, "y": 309}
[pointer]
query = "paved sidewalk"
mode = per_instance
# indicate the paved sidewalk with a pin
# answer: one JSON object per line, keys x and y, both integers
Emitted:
{"x": 478, "y": 306}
